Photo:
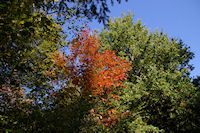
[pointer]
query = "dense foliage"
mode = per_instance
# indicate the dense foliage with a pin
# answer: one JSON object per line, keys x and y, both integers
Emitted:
{"x": 28, "y": 39}
{"x": 159, "y": 89}
{"x": 30, "y": 33}
{"x": 126, "y": 79}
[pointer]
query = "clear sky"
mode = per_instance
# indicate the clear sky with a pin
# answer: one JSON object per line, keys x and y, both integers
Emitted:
{"x": 177, "y": 18}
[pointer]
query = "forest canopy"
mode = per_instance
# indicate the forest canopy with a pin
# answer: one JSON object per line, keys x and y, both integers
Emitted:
{"x": 123, "y": 79}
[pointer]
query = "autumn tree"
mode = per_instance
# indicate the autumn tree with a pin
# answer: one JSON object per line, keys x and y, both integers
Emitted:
{"x": 93, "y": 75}
{"x": 158, "y": 89}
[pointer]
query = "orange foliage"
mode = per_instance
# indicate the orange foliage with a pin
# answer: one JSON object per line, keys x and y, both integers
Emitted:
{"x": 98, "y": 74}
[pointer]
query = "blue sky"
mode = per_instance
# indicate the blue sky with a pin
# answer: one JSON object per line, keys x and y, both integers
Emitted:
{"x": 177, "y": 18}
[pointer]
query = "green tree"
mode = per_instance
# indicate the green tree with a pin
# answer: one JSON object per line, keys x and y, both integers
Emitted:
{"x": 159, "y": 88}
{"x": 28, "y": 39}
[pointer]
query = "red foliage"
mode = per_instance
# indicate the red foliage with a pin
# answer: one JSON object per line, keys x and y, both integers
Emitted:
{"x": 98, "y": 74}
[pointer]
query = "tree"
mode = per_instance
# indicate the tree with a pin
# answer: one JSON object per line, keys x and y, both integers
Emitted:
{"x": 28, "y": 39}
{"x": 96, "y": 77}
{"x": 158, "y": 88}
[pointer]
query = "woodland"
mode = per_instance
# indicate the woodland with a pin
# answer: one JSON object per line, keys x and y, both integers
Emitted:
{"x": 57, "y": 75}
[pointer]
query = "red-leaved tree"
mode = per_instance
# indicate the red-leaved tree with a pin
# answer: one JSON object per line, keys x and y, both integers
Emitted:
{"x": 97, "y": 75}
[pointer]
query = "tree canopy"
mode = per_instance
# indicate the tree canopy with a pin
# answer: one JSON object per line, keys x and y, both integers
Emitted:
{"x": 123, "y": 79}
{"x": 159, "y": 88}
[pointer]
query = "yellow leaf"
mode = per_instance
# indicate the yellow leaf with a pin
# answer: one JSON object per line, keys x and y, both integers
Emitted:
{"x": 21, "y": 22}
{"x": 182, "y": 104}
